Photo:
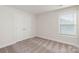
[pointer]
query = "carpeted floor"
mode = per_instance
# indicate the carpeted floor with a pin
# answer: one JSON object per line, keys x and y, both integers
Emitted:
{"x": 39, "y": 45}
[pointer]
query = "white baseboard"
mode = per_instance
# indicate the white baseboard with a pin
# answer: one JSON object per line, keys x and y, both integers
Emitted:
{"x": 54, "y": 39}
{"x": 14, "y": 42}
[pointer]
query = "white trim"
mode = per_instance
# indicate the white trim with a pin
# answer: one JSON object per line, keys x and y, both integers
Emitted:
{"x": 61, "y": 41}
{"x": 3, "y": 46}
{"x": 75, "y": 17}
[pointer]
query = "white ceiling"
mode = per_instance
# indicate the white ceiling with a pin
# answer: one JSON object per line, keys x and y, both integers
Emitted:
{"x": 37, "y": 9}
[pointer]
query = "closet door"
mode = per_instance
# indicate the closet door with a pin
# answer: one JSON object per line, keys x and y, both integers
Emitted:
{"x": 18, "y": 26}
{"x": 28, "y": 25}
{"x": 22, "y": 25}
{"x": 7, "y": 27}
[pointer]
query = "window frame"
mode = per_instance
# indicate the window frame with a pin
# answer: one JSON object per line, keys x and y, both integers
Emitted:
{"x": 59, "y": 28}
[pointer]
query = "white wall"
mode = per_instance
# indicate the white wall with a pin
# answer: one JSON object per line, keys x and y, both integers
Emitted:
{"x": 15, "y": 25}
{"x": 47, "y": 27}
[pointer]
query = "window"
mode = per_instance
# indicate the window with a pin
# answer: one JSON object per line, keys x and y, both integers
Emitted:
{"x": 67, "y": 23}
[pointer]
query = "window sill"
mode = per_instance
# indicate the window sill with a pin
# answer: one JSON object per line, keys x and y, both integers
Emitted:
{"x": 68, "y": 35}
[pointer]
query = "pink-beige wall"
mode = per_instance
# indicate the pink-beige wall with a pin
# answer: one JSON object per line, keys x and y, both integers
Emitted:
{"x": 48, "y": 26}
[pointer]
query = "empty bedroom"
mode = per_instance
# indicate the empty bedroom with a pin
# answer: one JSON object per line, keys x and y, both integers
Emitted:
{"x": 39, "y": 29}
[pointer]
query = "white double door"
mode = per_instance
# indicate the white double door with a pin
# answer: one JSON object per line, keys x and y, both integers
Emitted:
{"x": 20, "y": 27}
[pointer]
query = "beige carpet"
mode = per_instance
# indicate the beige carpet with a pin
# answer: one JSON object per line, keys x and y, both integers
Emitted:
{"x": 39, "y": 45}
